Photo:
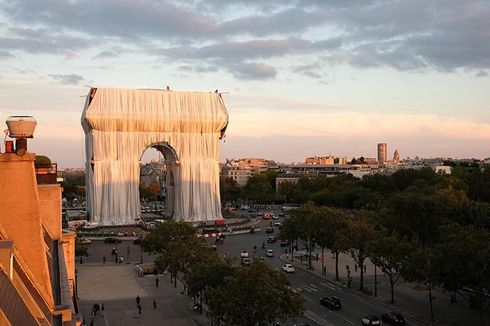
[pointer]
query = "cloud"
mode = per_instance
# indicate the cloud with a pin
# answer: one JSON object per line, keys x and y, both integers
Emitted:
{"x": 482, "y": 73}
{"x": 249, "y": 71}
{"x": 40, "y": 40}
{"x": 70, "y": 79}
{"x": 442, "y": 35}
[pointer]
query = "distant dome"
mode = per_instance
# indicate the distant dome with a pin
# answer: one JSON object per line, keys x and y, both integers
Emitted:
{"x": 396, "y": 156}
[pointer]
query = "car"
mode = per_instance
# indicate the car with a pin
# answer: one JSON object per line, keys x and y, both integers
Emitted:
{"x": 269, "y": 230}
{"x": 271, "y": 239}
{"x": 279, "y": 224}
{"x": 284, "y": 243}
{"x": 393, "y": 318}
{"x": 244, "y": 254}
{"x": 331, "y": 302}
{"x": 274, "y": 217}
{"x": 371, "y": 320}
{"x": 246, "y": 261}
{"x": 288, "y": 268}
{"x": 269, "y": 253}
{"x": 84, "y": 241}
{"x": 112, "y": 240}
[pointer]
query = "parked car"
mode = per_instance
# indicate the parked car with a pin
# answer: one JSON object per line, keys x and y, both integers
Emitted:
{"x": 269, "y": 230}
{"x": 246, "y": 261}
{"x": 284, "y": 243}
{"x": 371, "y": 320}
{"x": 84, "y": 241}
{"x": 393, "y": 318}
{"x": 274, "y": 217}
{"x": 112, "y": 240}
{"x": 278, "y": 224}
{"x": 271, "y": 239}
{"x": 331, "y": 302}
{"x": 269, "y": 253}
{"x": 288, "y": 268}
{"x": 244, "y": 254}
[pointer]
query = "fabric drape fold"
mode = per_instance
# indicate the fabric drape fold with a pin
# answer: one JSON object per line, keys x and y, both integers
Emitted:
{"x": 120, "y": 124}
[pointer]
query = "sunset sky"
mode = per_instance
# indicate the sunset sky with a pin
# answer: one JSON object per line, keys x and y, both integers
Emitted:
{"x": 300, "y": 78}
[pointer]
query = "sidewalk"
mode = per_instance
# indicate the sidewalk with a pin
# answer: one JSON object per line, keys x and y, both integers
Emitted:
{"x": 116, "y": 286}
{"x": 410, "y": 298}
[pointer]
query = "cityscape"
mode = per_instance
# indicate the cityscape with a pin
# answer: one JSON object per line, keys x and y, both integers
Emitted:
{"x": 244, "y": 163}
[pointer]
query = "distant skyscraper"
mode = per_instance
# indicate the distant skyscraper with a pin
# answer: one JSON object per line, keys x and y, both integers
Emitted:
{"x": 382, "y": 152}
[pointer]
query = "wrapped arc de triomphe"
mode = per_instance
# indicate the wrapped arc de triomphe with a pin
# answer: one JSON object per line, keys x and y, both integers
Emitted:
{"x": 120, "y": 124}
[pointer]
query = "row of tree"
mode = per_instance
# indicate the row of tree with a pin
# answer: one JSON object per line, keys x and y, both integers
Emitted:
{"x": 346, "y": 191}
{"x": 236, "y": 295}
{"x": 416, "y": 244}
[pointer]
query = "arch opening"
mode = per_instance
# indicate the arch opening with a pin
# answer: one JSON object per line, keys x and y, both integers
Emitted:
{"x": 157, "y": 186}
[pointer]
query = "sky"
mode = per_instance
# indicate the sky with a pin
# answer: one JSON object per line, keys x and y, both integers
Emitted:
{"x": 299, "y": 77}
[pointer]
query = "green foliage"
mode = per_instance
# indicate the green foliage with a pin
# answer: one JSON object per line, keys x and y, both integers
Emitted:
{"x": 42, "y": 160}
{"x": 229, "y": 189}
{"x": 389, "y": 252}
{"x": 255, "y": 295}
{"x": 259, "y": 189}
{"x": 81, "y": 249}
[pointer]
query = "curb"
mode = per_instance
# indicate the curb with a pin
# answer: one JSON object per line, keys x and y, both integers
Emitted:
{"x": 374, "y": 301}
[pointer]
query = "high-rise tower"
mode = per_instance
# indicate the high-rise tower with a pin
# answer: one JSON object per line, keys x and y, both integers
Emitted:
{"x": 382, "y": 152}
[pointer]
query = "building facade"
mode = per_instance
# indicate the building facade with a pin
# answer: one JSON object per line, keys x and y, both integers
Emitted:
{"x": 37, "y": 257}
{"x": 382, "y": 152}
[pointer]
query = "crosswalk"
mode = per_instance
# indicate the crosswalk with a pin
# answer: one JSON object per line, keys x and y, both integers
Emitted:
{"x": 318, "y": 287}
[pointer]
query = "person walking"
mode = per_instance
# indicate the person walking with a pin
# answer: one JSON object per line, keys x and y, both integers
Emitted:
{"x": 102, "y": 309}
{"x": 138, "y": 300}
{"x": 154, "y": 304}
{"x": 156, "y": 282}
{"x": 103, "y": 260}
{"x": 139, "y": 309}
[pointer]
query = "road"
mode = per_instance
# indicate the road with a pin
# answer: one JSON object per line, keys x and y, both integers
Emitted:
{"x": 313, "y": 286}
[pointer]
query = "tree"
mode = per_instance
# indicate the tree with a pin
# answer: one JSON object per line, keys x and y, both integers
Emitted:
{"x": 81, "y": 249}
{"x": 389, "y": 252}
{"x": 421, "y": 266}
{"x": 260, "y": 188}
{"x": 153, "y": 190}
{"x": 301, "y": 226}
{"x": 176, "y": 243}
{"x": 463, "y": 260}
{"x": 289, "y": 191}
{"x": 229, "y": 189}
{"x": 255, "y": 294}
{"x": 362, "y": 234}
{"x": 207, "y": 272}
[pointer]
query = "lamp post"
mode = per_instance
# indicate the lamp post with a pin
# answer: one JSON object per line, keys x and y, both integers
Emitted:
{"x": 117, "y": 253}
{"x": 141, "y": 252}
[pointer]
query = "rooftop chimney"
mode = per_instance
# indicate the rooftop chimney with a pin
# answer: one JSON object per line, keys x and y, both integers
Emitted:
{"x": 21, "y": 128}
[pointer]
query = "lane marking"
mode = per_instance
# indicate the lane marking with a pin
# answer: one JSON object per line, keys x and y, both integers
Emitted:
{"x": 317, "y": 319}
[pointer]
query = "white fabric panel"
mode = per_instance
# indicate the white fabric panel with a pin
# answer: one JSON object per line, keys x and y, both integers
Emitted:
{"x": 121, "y": 124}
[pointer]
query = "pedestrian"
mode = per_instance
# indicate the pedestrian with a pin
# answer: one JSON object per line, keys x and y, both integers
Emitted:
{"x": 102, "y": 310}
{"x": 103, "y": 260}
{"x": 139, "y": 309}
{"x": 154, "y": 304}
{"x": 138, "y": 300}
{"x": 156, "y": 281}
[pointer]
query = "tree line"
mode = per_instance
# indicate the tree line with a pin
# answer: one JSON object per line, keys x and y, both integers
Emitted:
{"x": 414, "y": 225}
{"x": 235, "y": 295}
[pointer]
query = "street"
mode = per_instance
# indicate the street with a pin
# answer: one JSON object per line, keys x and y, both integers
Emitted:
{"x": 410, "y": 299}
